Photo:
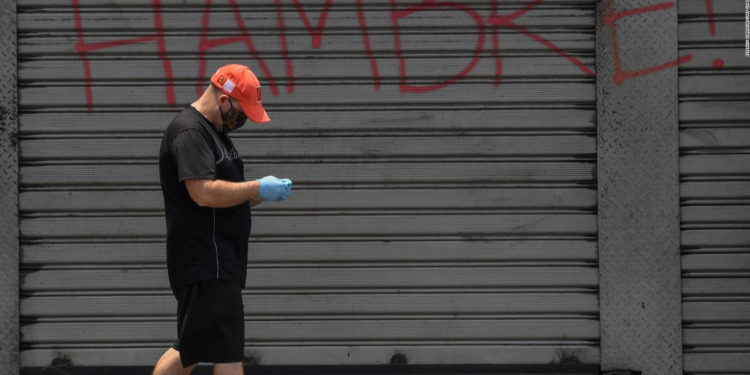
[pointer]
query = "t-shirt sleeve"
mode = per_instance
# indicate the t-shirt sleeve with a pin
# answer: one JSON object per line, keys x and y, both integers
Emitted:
{"x": 193, "y": 155}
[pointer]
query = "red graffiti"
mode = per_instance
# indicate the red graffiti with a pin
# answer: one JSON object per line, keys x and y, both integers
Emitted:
{"x": 83, "y": 48}
{"x": 205, "y": 45}
{"x": 718, "y": 63}
{"x": 710, "y": 11}
{"x": 366, "y": 41}
{"x": 317, "y": 38}
{"x": 317, "y": 32}
{"x": 428, "y": 5}
{"x": 508, "y": 22}
{"x": 494, "y": 23}
{"x": 610, "y": 19}
{"x": 285, "y": 49}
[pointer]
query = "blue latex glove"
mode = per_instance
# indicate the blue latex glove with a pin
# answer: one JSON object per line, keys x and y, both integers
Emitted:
{"x": 274, "y": 189}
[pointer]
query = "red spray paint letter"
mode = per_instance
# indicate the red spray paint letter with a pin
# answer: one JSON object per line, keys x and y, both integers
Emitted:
{"x": 368, "y": 49}
{"x": 507, "y": 21}
{"x": 610, "y": 18}
{"x": 315, "y": 32}
{"x": 718, "y": 63}
{"x": 317, "y": 37}
{"x": 285, "y": 49}
{"x": 396, "y": 15}
{"x": 244, "y": 36}
{"x": 158, "y": 37}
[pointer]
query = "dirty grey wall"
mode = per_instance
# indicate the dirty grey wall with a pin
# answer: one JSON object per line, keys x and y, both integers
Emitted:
{"x": 637, "y": 163}
{"x": 9, "y": 310}
{"x": 443, "y": 159}
{"x": 715, "y": 187}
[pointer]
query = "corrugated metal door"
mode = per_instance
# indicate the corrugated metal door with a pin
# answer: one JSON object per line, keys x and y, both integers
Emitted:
{"x": 715, "y": 188}
{"x": 445, "y": 200}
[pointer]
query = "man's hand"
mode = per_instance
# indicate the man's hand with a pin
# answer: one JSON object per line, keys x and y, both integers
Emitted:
{"x": 274, "y": 189}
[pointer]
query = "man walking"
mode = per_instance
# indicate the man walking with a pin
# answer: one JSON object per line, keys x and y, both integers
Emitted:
{"x": 207, "y": 203}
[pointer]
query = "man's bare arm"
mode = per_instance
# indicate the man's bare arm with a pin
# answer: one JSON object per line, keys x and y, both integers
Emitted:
{"x": 255, "y": 201}
{"x": 221, "y": 193}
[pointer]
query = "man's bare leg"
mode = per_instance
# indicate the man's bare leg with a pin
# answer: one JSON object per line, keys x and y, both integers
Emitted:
{"x": 170, "y": 364}
{"x": 234, "y": 368}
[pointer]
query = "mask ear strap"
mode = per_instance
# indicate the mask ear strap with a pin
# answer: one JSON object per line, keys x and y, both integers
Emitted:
{"x": 230, "y": 105}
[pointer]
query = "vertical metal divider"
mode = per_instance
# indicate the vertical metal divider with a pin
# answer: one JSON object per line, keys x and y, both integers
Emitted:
{"x": 9, "y": 247}
{"x": 638, "y": 187}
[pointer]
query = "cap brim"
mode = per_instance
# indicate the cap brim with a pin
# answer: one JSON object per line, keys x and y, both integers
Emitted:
{"x": 255, "y": 112}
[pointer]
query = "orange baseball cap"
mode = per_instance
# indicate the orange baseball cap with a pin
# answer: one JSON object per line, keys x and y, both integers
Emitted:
{"x": 239, "y": 82}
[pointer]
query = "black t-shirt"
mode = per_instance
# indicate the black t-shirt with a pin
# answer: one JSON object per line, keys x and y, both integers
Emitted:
{"x": 202, "y": 243}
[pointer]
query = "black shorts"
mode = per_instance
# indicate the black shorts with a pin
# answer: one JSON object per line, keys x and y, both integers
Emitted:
{"x": 210, "y": 322}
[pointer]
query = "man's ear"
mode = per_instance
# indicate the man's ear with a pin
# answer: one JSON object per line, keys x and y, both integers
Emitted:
{"x": 222, "y": 98}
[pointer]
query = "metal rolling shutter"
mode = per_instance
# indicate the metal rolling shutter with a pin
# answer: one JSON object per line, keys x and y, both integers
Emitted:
{"x": 451, "y": 226}
{"x": 715, "y": 188}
